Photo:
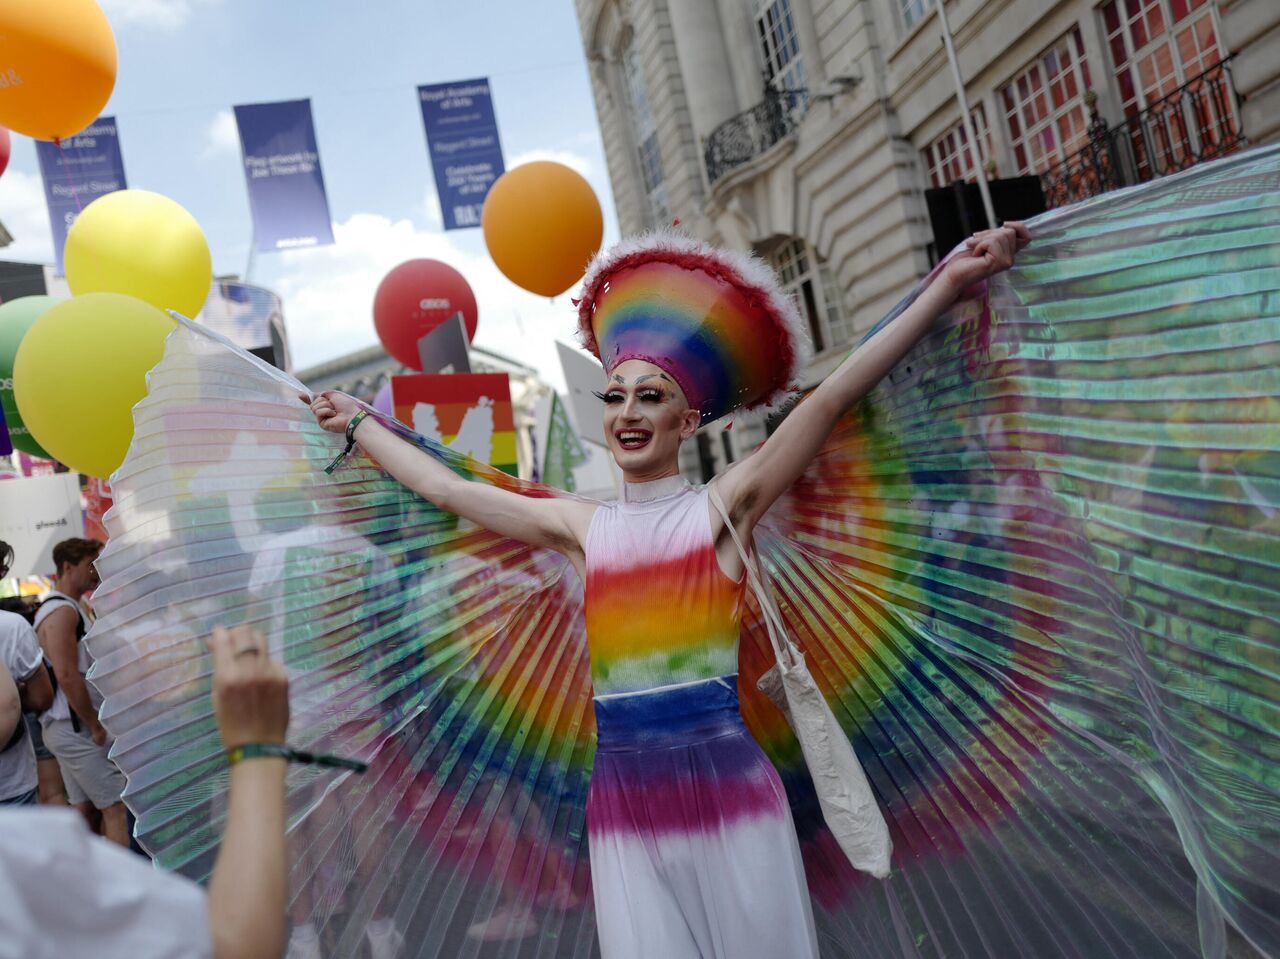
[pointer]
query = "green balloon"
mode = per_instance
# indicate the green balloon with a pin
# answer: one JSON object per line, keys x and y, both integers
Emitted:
{"x": 16, "y": 318}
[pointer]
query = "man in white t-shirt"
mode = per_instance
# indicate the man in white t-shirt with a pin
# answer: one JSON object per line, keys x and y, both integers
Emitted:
{"x": 72, "y": 731}
{"x": 20, "y": 654}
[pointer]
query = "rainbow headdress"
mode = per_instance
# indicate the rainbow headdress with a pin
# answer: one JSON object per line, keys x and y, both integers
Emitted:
{"x": 716, "y": 320}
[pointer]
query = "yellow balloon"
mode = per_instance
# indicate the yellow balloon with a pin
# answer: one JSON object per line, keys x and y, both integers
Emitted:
{"x": 542, "y": 225}
{"x": 140, "y": 244}
{"x": 57, "y": 66}
{"x": 79, "y": 371}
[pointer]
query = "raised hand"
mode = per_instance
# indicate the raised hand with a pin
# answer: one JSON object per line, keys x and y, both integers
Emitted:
{"x": 986, "y": 254}
{"x": 332, "y": 410}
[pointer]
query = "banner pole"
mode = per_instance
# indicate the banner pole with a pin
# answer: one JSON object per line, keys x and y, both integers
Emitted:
{"x": 964, "y": 115}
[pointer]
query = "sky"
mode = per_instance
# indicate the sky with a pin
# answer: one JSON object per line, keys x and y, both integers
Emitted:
{"x": 185, "y": 63}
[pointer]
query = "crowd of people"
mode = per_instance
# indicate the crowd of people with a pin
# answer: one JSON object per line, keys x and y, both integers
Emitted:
{"x": 56, "y": 756}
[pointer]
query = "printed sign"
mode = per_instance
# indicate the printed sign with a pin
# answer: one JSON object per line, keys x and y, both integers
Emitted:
{"x": 462, "y": 139}
{"x": 76, "y": 171}
{"x": 282, "y": 170}
{"x": 36, "y": 513}
{"x": 468, "y": 412}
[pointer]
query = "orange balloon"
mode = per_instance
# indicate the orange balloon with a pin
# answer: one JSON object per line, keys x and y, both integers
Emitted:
{"x": 57, "y": 66}
{"x": 542, "y": 224}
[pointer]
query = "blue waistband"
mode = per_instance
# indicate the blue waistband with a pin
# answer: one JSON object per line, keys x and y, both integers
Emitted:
{"x": 689, "y": 713}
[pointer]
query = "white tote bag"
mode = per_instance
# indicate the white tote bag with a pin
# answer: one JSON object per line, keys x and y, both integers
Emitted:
{"x": 848, "y": 806}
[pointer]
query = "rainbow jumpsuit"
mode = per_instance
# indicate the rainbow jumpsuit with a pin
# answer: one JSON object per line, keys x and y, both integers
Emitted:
{"x": 693, "y": 850}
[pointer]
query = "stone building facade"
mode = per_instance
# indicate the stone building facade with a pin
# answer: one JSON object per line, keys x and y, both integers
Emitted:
{"x": 809, "y": 130}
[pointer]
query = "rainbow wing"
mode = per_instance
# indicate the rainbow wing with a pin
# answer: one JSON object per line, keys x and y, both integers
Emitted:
{"x": 1038, "y": 573}
{"x": 452, "y": 659}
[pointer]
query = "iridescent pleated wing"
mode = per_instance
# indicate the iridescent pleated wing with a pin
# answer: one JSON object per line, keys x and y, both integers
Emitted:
{"x": 1038, "y": 573}
{"x": 450, "y": 658}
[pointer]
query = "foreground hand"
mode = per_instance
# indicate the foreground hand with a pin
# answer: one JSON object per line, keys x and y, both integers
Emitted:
{"x": 332, "y": 410}
{"x": 985, "y": 254}
{"x": 250, "y": 689}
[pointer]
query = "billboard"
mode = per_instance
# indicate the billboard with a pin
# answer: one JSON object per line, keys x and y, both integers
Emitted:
{"x": 462, "y": 139}
{"x": 251, "y": 317}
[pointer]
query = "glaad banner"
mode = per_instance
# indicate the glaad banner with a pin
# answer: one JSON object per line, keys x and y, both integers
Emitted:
{"x": 282, "y": 171}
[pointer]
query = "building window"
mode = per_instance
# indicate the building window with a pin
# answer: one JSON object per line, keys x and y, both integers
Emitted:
{"x": 949, "y": 158}
{"x": 807, "y": 277}
{"x": 1157, "y": 47}
{"x": 645, "y": 131}
{"x": 913, "y": 11}
{"x": 1045, "y": 106}
{"x": 779, "y": 45}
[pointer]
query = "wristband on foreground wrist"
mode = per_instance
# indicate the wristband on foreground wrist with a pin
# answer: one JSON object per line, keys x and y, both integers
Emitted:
{"x": 277, "y": 751}
{"x": 351, "y": 440}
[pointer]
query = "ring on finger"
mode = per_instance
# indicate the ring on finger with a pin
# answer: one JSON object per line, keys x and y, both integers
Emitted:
{"x": 248, "y": 651}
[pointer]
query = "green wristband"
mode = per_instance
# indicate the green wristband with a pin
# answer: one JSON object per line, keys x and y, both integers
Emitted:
{"x": 277, "y": 751}
{"x": 351, "y": 440}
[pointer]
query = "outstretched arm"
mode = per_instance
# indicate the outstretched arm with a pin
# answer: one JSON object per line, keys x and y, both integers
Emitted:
{"x": 751, "y": 487}
{"x": 558, "y": 524}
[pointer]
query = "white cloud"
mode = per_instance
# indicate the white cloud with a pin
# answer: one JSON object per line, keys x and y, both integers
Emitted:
{"x": 328, "y": 294}
{"x": 23, "y": 211}
{"x": 159, "y": 14}
{"x": 223, "y": 136}
{"x": 574, "y": 161}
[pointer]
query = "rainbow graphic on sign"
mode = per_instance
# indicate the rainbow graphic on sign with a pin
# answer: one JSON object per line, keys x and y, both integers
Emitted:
{"x": 468, "y": 412}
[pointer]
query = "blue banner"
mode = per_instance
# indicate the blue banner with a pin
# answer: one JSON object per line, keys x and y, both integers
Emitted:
{"x": 76, "y": 172}
{"x": 282, "y": 170}
{"x": 462, "y": 138}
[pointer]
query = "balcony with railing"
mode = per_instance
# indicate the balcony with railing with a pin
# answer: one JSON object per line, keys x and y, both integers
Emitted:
{"x": 742, "y": 138}
{"x": 1199, "y": 121}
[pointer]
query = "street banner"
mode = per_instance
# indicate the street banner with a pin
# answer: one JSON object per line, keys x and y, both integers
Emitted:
{"x": 444, "y": 349}
{"x": 6, "y": 443}
{"x": 468, "y": 412}
{"x": 282, "y": 170}
{"x": 585, "y": 377}
{"x": 76, "y": 171}
{"x": 462, "y": 140}
{"x": 35, "y": 513}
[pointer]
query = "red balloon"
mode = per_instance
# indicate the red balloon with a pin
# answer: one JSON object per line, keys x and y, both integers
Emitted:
{"x": 5, "y": 146}
{"x": 415, "y": 298}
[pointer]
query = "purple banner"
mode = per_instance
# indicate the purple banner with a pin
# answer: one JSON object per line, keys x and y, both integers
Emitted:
{"x": 282, "y": 170}
{"x": 76, "y": 172}
{"x": 462, "y": 138}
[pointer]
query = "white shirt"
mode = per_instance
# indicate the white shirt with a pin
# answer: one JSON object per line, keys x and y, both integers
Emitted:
{"x": 20, "y": 652}
{"x": 60, "y": 709}
{"x": 67, "y": 893}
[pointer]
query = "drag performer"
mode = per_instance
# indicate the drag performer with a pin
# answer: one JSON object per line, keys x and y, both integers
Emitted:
{"x": 693, "y": 851}
{"x": 1025, "y": 536}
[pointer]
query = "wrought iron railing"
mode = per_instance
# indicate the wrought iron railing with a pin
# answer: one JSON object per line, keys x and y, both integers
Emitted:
{"x": 1199, "y": 121}
{"x": 744, "y": 137}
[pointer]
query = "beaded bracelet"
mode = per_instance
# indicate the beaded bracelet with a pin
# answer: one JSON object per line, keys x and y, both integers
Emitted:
{"x": 351, "y": 440}
{"x": 276, "y": 751}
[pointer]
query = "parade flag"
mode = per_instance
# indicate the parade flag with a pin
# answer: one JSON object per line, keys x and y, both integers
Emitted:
{"x": 76, "y": 171}
{"x": 468, "y": 412}
{"x": 562, "y": 451}
{"x": 282, "y": 170}
{"x": 462, "y": 140}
